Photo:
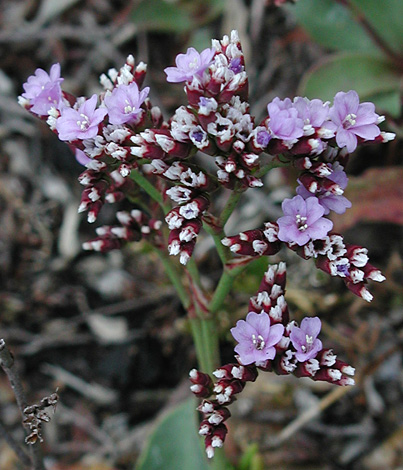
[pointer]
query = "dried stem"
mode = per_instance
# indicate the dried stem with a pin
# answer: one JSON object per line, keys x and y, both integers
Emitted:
{"x": 8, "y": 365}
{"x": 310, "y": 414}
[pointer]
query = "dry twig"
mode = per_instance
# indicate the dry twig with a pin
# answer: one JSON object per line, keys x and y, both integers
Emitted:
{"x": 8, "y": 365}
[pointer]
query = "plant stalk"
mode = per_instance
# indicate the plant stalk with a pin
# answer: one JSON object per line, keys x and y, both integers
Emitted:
{"x": 8, "y": 365}
{"x": 175, "y": 278}
{"x": 204, "y": 331}
{"x": 150, "y": 189}
{"x": 229, "y": 207}
{"x": 224, "y": 286}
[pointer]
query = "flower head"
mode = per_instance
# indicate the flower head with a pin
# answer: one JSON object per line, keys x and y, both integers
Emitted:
{"x": 302, "y": 221}
{"x": 304, "y": 339}
{"x": 124, "y": 103}
{"x": 350, "y": 119}
{"x": 190, "y": 64}
{"x": 256, "y": 338}
{"x": 81, "y": 123}
{"x": 313, "y": 112}
{"x": 43, "y": 90}
{"x": 330, "y": 202}
{"x": 284, "y": 122}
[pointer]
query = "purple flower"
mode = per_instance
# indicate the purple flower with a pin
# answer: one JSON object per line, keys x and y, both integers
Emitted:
{"x": 304, "y": 339}
{"x": 284, "y": 122}
{"x": 207, "y": 106}
{"x": 81, "y": 123}
{"x": 263, "y": 138}
{"x": 302, "y": 221}
{"x": 235, "y": 65}
{"x": 256, "y": 338}
{"x": 124, "y": 103}
{"x": 190, "y": 64}
{"x": 329, "y": 201}
{"x": 314, "y": 113}
{"x": 81, "y": 157}
{"x": 43, "y": 91}
{"x": 350, "y": 119}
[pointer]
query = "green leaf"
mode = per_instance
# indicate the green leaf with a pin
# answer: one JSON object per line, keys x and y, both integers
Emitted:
{"x": 201, "y": 39}
{"x": 174, "y": 444}
{"x": 371, "y": 77}
{"x": 158, "y": 15}
{"x": 386, "y": 18}
{"x": 333, "y": 26}
{"x": 389, "y": 102}
{"x": 251, "y": 277}
{"x": 211, "y": 9}
{"x": 251, "y": 459}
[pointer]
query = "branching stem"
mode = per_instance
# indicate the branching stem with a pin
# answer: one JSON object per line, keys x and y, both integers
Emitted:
{"x": 8, "y": 365}
{"x": 223, "y": 288}
{"x": 150, "y": 189}
{"x": 175, "y": 278}
{"x": 229, "y": 207}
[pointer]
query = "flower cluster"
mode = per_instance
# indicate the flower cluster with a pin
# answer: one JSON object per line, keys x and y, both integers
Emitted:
{"x": 330, "y": 252}
{"x": 134, "y": 226}
{"x": 305, "y": 126}
{"x": 43, "y": 91}
{"x": 269, "y": 342}
{"x": 168, "y": 171}
{"x": 120, "y": 131}
{"x": 97, "y": 129}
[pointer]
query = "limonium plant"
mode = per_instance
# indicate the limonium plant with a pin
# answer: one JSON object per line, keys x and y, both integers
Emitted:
{"x": 163, "y": 169}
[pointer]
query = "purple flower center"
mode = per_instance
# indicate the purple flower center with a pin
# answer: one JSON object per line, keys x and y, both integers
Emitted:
{"x": 343, "y": 269}
{"x": 235, "y": 65}
{"x": 197, "y": 135}
{"x": 263, "y": 138}
{"x": 203, "y": 101}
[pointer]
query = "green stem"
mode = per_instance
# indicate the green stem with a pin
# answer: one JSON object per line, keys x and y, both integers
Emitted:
{"x": 202, "y": 359}
{"x": 193, "y": 271}
{"x": 150, "y": 189}
{"x": 224, "y": 286}
{"x": 229, "y": 207}
{"x": 204, "y": 331}
{"x": 175, "y": 278}
{"x": 222, "y": 251}
{"x": 216, "y": 230}
{"x": 266, "y": 168}
{"x": 211, "y": 339}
